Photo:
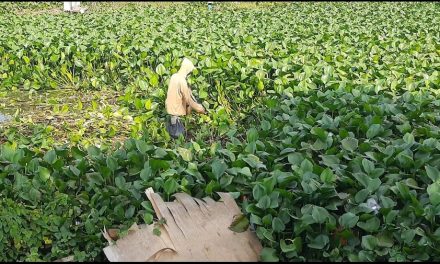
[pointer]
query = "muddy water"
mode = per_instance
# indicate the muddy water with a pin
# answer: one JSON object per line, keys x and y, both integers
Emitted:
{"x": 4, "y": 118}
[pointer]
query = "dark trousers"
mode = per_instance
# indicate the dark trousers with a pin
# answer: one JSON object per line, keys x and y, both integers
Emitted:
{"x": 175, "y": 127}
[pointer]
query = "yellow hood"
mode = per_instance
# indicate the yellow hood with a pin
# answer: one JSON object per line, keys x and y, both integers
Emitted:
{"x": 186, "y": 67}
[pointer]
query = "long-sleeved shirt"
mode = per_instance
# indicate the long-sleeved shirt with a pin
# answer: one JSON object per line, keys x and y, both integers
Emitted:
{"x": 180, "y": 100}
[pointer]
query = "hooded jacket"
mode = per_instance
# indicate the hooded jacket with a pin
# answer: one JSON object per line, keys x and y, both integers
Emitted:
{"x": 180, "y": 100}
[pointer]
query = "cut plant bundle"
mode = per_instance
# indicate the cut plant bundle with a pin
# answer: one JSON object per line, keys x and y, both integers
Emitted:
{"x": 193, "y": 230}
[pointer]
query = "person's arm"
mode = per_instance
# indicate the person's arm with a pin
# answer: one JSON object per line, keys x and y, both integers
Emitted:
{"x": 190, "y": 100}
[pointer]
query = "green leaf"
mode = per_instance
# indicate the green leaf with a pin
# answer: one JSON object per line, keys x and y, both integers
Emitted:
{"x": 327, "y": 176}
{"x": 147, "y": 206}
{"x": 211, "y": 186}
{"x": 319, "y": 242}
{"x": 350, "y": 144}
{"x": 384, "y": 240}
{"x": 377, "y": 172}
{"x": 405, "y": 160}
{"x": 34, "y": 195}
{"x": 95, "y": 178}
{"x": 408, "y": 235}
{"x": 160, "y": 153}
{"x": 256, "y": 220}
{"x": 387, "y": 202}
{"x": 143, "y": 85}
{"x": 274, "y": 200}
{"x": 142, "y": 146}
{"x": 156, "y": 231}
{"x": 264, "y": 202}
{"x": 374, "y": 130}
{"x": 74, "y": 170}
{"x": 154, "y": 80}
{"x": 130, "y": 212}
{"x": 361, "y": 196}
{"x": 319, "y": 214}
{"x": 267, "y": 220}
{"x": 227, "y": 153}
{"x": 410, "y": 182}
{"x": 295, "y": 158}
{"x": 218, "y": 168}
{"x": 93, "y": 151}
{"x": 369, "y": 242}
{"x": 120, "y": 182}
{"x": 148, "y": 218}
{"x": 295, "y": 246}
{"x": 306, "y": 166}
{"x": 265, "y": 125}
{"x": 44, "y": 173}
{"x": 186, "y": 154}
{"x": 330, "y": 160}
{"x": 258, "y": 191}
{"x": 146, "y": 173}
{"x": 159, "y": 164}
{"x": 370, "y": 184}
{"x": 403, "y": 190}
{"x": 252, "y": 135}
{"x": 391, "y": 216}
{"x": 348, "y": 220}
{"x": 434, "y": 192}
{"x": 368, "y": 166}
{"x": 370, "y": 225}
{"x": 246, "y": 171}
{"x": 433, "y": 173}
{"x": 50, "y": 157}
{"x": 320, "y": 133}
{"x": 160, "y": 69}
{"x": 240, "y": 224}
{"x": 112, "y": 163}
{"x": 268, "y": 255}
{"x": 254, "y": 161}
{"x": 260, "y": 74}
{"x": 373, "y": 184}
{"x": 289, "y": 150}
{"x": 409, "y": 139}
{"x": 278, "y": 225}
{"x": 170, "y": 186}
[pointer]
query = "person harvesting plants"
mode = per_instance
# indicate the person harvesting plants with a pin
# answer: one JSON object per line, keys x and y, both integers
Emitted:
{"x": 180, "y": 100}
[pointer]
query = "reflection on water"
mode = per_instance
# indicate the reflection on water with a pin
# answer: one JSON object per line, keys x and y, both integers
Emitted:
{"x": 4, "y": 118}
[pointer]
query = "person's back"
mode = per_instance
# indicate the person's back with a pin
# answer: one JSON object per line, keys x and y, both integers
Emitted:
{"x": 175, "y": 101}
